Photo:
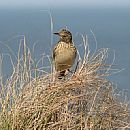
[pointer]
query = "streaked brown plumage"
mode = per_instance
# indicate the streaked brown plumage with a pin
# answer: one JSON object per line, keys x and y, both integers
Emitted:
{"x": 64, "y": 52}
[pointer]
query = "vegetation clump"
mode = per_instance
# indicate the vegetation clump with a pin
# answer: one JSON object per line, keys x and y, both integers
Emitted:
{"x": 84, "y": 100}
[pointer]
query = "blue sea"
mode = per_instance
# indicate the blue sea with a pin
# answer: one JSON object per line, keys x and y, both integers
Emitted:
{"x": 110, "y": 26}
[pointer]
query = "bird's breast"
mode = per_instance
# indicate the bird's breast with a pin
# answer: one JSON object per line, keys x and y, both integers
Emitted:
{"x": 65, "y": 52}
{"x": 65, "y": 55}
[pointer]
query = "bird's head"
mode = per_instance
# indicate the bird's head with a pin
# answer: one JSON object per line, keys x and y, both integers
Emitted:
{"x": 65, "y": 35}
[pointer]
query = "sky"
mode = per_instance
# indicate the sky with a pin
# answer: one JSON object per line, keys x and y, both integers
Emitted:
{"x": 63, "y": 3}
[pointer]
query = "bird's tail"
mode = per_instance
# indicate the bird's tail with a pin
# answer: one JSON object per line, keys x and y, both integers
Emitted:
{"x": 61, "y": 74}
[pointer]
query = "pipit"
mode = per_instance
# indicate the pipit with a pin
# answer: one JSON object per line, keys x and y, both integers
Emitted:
{"x": 64, "y": 52}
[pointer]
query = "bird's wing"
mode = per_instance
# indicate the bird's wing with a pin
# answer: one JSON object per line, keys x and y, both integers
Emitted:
{"x": 74, "y": 49}
{"x": 54, "y": 51}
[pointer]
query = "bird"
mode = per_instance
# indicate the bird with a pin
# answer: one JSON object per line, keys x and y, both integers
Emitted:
{"x": 64, "y": 52}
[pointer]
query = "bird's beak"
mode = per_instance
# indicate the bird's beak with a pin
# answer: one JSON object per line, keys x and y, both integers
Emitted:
{"x": 56, "y": 33}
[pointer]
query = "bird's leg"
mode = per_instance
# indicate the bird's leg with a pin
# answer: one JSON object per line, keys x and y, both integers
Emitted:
{"x": 61, "y": 74}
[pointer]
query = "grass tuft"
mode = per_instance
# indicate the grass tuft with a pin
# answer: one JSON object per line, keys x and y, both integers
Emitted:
{"x": 33, "y": 99}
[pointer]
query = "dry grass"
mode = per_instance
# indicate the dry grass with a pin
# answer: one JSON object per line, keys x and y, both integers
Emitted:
{"x": 85, "y": 100}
